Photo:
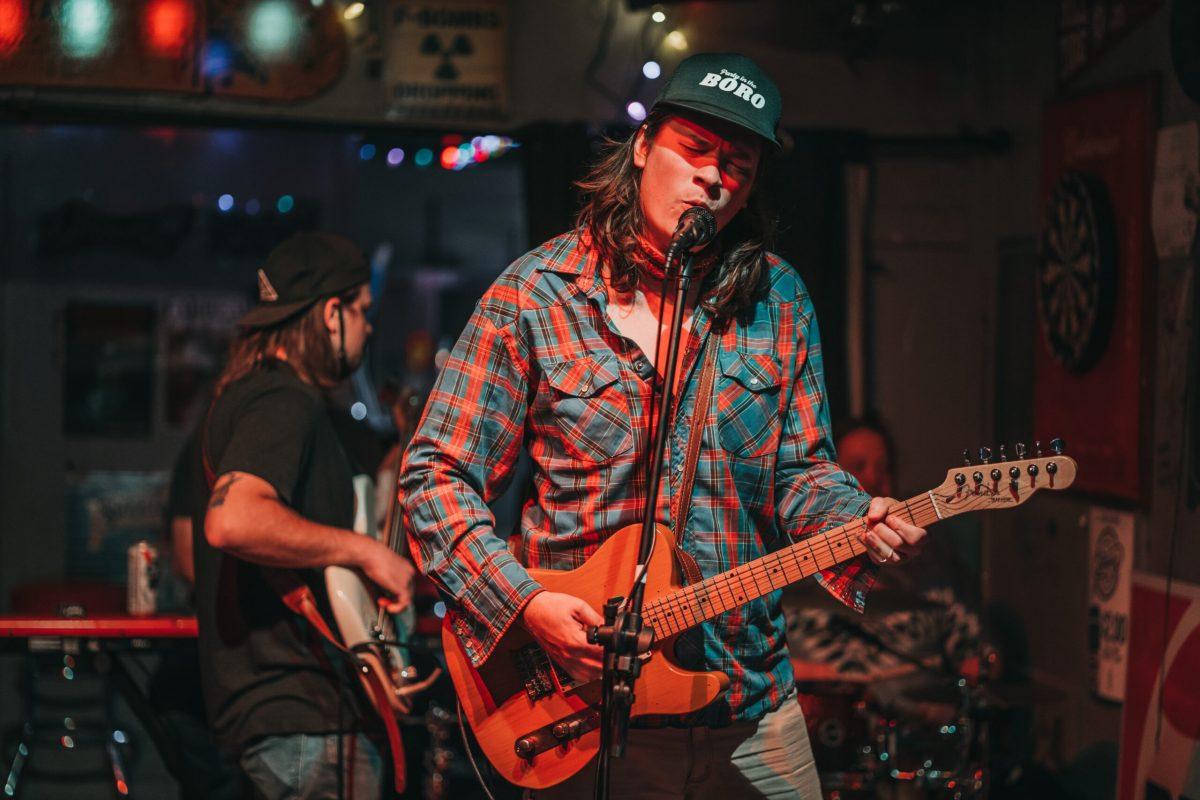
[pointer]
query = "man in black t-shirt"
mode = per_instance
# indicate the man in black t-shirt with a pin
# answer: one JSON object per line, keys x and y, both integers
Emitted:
{"x": 280, "y": 699}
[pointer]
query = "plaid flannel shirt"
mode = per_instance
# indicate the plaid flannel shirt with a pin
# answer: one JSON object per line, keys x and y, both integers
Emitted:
{"x": 541, "y": 366}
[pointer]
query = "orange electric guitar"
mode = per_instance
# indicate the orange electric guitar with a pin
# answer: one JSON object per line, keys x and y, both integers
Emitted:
{"x": 538, "y": 727}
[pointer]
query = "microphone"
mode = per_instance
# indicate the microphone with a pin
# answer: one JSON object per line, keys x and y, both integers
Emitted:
{"x": 697, "y": 226}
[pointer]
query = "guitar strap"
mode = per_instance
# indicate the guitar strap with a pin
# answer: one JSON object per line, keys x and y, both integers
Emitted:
{"x": 298, "y": 596}
{"x": 683, "y": 497}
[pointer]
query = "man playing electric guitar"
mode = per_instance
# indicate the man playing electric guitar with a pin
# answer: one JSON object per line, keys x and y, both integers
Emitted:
{"x": 563, "y": 357}
{"x": 281, "y": 699}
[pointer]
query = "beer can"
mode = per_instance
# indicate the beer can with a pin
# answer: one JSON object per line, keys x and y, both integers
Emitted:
{"x": 142, "y": 582}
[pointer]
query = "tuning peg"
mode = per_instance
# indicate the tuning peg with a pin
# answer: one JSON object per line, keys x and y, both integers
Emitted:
{"x": 1020, "y": 449}
{"x": 1037, "y": 449}
{"x": 985, "y": 455}
{"x": 1003, "y": 455}
{"x": 966, "y": 457}
{"x": 1058, "y": 445}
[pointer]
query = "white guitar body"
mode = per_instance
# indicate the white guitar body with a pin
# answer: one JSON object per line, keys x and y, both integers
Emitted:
{"x": 379, "y": 638}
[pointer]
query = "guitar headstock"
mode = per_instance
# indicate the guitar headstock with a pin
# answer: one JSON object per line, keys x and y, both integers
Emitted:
{"x": 1005, "y": 483}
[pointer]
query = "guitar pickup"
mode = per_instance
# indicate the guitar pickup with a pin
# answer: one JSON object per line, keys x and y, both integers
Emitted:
{"x": 557, "y": 733}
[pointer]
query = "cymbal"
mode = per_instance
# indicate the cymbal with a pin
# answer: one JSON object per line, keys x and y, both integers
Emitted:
{"x": 1031, "y": 693}
{"x": 892, "y": 601}
{"x": 813, "y": 673}
{"x": 942, "y": 692}
{"x": 1005, "y": 695}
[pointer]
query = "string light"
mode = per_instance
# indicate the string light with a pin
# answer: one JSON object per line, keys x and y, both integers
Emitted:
{"x": 168, "y": 26}
{"x": 677, "y": 40}
{"x": 651, "y": 69}
{"x": 274, "y": 29}
{"x": 395, "y": 157}
{"x": 354, "y": 11}
{"x": 85, "y": 27}
{"x": 636, "y": 111}
{"x": 658, "y": 15}
{"x": 12, "y": 25}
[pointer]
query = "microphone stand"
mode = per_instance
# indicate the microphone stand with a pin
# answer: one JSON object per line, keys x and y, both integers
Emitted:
{"x": 622, "y": 634}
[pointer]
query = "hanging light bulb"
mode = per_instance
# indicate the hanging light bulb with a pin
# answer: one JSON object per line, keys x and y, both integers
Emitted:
{"x": 677, "y": 40}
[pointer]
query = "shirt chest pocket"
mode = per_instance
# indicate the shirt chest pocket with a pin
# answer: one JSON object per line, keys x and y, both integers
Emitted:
{"x": 589, "y": 407}
{"x": 748, "y": 403}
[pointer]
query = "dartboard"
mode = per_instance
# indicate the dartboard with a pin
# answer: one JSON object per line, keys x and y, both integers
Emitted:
{"x": 1077, "y": 274}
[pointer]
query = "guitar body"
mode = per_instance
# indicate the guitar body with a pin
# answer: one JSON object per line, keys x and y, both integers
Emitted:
{"x": 539, "y": 728}
{"x": 502, "y": 710}
{"x": 363, "y": 627}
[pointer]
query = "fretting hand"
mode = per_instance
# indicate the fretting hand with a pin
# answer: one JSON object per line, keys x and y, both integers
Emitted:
{"x": 889, "y": 539}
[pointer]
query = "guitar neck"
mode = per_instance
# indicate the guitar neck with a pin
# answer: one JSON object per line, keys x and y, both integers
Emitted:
{"x": 699, "y": 602}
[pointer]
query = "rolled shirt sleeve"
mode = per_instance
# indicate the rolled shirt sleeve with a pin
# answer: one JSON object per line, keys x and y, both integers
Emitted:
{"x": 461, "y": 458}
{"x": 814, "y": 494}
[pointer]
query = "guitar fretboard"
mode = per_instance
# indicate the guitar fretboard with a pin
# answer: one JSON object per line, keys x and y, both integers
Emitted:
{"x": 711, "y": 597}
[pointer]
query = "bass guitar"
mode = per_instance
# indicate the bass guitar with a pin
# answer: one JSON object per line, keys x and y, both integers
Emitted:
{"x": 538, "y": 727}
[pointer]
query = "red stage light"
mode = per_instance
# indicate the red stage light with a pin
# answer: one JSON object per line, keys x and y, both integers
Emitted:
{"x": 13, "y": 15}
{"x": 168, "y": 26}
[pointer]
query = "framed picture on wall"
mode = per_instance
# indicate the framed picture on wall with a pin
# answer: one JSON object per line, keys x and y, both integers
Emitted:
{"x": 1094, "y": 293}
{"x": 108, "y": 370}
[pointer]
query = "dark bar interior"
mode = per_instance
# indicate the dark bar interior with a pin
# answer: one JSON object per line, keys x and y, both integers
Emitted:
{"x": 982, "y": 219}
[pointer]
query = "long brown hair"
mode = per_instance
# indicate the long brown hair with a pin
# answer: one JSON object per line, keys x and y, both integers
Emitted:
{"x": 303, "y": 338}
{"x": 611, "y": 217}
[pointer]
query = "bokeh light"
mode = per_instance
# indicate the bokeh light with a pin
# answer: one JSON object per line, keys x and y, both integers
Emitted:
{"x": 168, "y": 26}
{"x": 86, "y": 24}
{"x": 274, "y": 30}
{"x": 13, "y": 17}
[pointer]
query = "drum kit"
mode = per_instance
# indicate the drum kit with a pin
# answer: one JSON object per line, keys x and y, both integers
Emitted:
{"x": 917, "y": 731}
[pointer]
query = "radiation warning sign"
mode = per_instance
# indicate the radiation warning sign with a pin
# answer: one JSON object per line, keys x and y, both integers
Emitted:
{"x": 447, "y": 60}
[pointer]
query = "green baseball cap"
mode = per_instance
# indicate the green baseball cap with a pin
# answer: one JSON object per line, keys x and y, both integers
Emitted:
{"x": 727, "y": 86}
{"x": 303, "y": 269}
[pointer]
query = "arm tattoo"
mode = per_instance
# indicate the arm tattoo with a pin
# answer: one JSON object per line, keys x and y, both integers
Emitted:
{"x": 221, "y": 489}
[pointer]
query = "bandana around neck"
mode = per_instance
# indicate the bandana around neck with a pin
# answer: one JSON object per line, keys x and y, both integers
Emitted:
{"x": 651, "y": 261}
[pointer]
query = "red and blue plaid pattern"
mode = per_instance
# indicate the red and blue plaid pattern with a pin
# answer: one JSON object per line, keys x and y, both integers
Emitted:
{"x": 540, "y": 365}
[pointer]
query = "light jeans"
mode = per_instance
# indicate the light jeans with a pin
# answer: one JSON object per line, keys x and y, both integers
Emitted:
{"x": 769, "y": 758}
{"x": 305, "y": 767}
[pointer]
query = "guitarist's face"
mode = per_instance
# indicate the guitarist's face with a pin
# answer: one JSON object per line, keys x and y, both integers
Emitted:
{"x": 358, "y": 327}
{"x": 693, "y": 160}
